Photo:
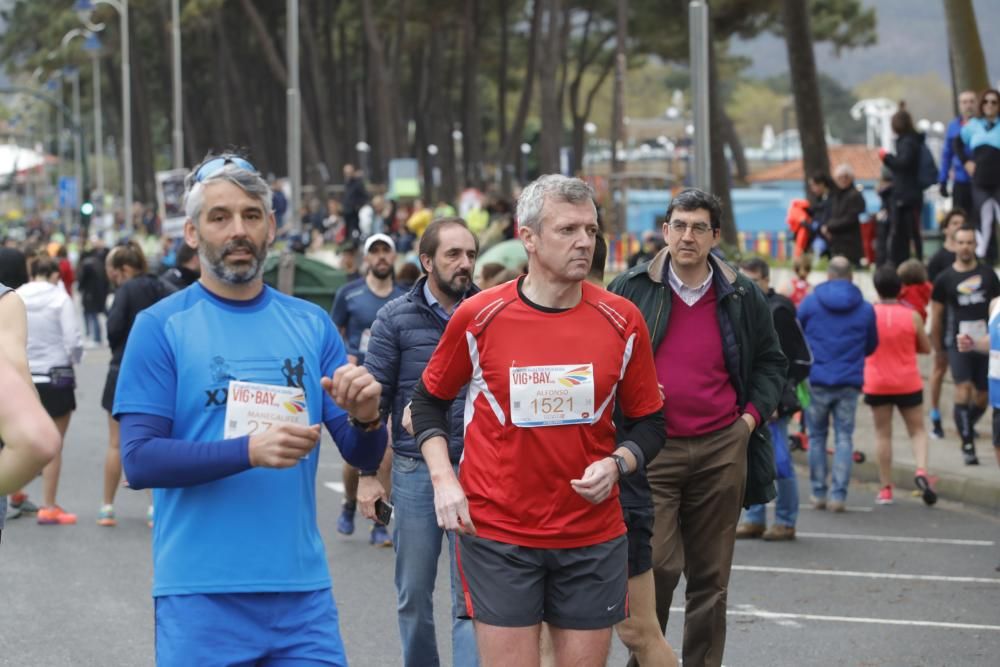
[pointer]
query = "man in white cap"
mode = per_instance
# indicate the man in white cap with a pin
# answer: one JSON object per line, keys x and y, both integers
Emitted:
{"x": 353, "y": 313}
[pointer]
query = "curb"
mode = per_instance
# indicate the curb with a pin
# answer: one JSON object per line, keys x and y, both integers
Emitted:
{"x": 956, "y": 488}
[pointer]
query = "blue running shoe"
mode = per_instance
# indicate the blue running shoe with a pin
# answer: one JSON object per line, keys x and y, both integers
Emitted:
{"x": 345, "y": 522}
{"x": 380, "y": 536}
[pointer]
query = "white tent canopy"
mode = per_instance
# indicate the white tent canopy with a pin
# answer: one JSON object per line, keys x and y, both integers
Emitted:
{"x": 16, "y": 158}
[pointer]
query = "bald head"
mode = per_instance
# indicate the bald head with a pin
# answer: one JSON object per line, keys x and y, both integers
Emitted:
{"x": 838, "y": 269}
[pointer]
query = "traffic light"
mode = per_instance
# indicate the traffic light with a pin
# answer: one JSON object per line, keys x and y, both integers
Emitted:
{"x": 86, "y": 210}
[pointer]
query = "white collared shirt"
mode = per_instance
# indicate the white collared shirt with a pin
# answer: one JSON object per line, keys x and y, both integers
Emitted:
{"x": 689, "y": 295}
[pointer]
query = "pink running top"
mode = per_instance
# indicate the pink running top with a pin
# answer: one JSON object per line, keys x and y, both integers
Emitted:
{"x": 892, "y": 369}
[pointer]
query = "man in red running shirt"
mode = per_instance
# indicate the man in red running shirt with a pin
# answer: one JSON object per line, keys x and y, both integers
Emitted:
{"x": 541, "y": 535}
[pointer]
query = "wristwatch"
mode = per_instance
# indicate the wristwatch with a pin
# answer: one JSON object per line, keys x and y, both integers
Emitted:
{"x": 622, "y": 464}
{"x": 367, "y": 473}
{"x": 367, "y": 427}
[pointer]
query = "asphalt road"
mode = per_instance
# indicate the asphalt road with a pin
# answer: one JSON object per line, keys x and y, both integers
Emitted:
{"x": 899, "y": 585}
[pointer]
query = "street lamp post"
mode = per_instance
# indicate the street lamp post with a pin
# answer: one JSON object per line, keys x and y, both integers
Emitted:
{"x": 81, "y": 193}
{"x": 77, "y": 144}
{"x": 432, "y": 151}
{"x": 84, "y": 8}
{"x": 294, "y": 116}
{"x": 363, "y": 149}
{"x": 525, "y": 152}
{"x": 175, "y": 29}
{"x": 93, "y": 44}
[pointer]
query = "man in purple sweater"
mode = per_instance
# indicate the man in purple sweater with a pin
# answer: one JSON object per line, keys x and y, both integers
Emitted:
{"x": 720, "y": 364}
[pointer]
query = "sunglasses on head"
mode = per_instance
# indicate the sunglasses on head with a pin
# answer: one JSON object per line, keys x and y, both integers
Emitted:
{"x": 217, "y": 163}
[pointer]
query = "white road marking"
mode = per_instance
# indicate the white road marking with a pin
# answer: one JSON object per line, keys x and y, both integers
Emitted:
{"x": 889, "y": 538}
{"x": 336, "y": 487}
{"x": 849, "y": 508}
{"x": 867, "y": 575}
{"x": 779, "y": 616}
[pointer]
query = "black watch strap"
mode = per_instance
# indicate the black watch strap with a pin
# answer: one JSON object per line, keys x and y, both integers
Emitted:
{"x": 367, "y": 473}
{"x": 622, "y": 464}
{"x": 365, "y": 426}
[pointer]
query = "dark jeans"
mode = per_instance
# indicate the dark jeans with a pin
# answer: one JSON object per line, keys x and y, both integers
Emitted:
{"x": 904, "y": 228}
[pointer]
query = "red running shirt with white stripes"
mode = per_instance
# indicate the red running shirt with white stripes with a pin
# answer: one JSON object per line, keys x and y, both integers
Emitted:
{"x": 517, "y": 478}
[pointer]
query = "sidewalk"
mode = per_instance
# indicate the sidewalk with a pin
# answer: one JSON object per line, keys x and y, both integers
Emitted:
{"x": 978, "y": 486}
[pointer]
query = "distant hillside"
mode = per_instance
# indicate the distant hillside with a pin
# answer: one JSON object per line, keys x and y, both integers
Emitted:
{"x": 912, "y": 40}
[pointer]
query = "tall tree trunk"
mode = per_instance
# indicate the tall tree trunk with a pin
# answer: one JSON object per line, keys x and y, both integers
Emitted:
{"x": 310, "y": 144}
{"x": 472, "y": 130}
{"x": 581, "y": 115}
{"x": 511, "y": 148}
{"x": 968, "y": 61}
{"x": 721, "y": 186}
{"x": 318, "y": 94}
{"x": 732, "y": 139}
{"x": 502, "y": 70}
{"x": 142, "y": 135}
{"x": 381, "y": 84}
{"x": 805, "y": 88}
{"x": 551, "y": 115}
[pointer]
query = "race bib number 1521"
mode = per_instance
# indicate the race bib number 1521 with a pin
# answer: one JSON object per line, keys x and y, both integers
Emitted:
{"x": 552, "y": 395}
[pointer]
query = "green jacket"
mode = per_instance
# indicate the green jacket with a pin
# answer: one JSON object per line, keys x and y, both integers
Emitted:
{"x": 751, "y": 350}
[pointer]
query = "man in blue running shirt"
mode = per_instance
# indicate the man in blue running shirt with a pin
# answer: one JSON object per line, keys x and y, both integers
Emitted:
{"x": 354, "y": 310}
{"x": 220, "y": 397}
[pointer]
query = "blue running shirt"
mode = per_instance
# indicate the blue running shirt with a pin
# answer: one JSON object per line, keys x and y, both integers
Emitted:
{"x": 254, "y": 531}
{"x": 354, "y": 310}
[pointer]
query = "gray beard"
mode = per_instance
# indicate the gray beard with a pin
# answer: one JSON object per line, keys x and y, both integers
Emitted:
{"x": 229, "y": 275}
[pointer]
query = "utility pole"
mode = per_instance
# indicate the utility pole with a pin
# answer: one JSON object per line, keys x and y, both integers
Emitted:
{"x": 700, "y": 92}
{"x": 618, "y": 118}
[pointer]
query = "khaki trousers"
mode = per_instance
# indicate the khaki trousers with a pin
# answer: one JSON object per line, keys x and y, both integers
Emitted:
{"x": 697, "y": 486}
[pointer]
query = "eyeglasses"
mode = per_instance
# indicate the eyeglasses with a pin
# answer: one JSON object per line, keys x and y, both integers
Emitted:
{"x": 680, "y": 227}
{"x": 215, "y": 164}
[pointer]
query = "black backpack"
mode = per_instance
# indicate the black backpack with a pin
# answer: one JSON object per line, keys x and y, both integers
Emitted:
{"x": 927, "y": 171}
{"x": 795, "y": 348}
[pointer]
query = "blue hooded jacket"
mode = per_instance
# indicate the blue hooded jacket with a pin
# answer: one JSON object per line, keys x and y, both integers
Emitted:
{"x": 840, "y": 329}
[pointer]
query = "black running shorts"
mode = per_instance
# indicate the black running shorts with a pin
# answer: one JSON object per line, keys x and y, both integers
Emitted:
{"x": 969, "y": 367}
{"x": 57, "y": 401}
{"x": 584, "y": 588}
{"x": 899, "y": 400}
{"x": 639, "y": 522}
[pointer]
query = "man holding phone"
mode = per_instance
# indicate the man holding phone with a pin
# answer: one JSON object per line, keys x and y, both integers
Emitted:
{"x": 541, "y": 534}
{"x": 403, "y": 338}
{"x": 221, "y": 395}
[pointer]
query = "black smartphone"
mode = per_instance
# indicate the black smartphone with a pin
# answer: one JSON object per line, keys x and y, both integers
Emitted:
{"x": 383, "y": 511}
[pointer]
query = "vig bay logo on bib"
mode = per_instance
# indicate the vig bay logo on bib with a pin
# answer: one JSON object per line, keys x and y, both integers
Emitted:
{"x": 552, "y": 395}
{"x": 253, "y": 408}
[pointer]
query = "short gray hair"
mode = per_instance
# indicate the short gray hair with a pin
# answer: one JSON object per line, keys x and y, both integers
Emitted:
{"x": 249, "y": 181}
{"x": 843, "y": 169}
{"x": 551, "y": 186}
{"x": 839, "y": 268}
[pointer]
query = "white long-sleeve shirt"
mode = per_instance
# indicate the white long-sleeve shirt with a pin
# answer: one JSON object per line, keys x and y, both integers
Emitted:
{"x": 53, "y": 332}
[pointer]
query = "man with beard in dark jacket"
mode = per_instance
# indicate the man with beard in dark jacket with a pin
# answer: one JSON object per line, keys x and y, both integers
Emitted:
{"x": 843, "y": 225}
{"x": 403, "y": 338}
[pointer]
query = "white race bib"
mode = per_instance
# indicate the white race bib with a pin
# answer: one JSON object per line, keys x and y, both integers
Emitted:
{"x": 552, "y": 395}
{"x": 995, "y": 364}
{"x": 253, "y": 408}
{"x": 975, "y": 328}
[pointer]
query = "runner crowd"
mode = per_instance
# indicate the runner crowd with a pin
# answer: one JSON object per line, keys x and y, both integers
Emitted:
{"x": 541, "y": 423}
